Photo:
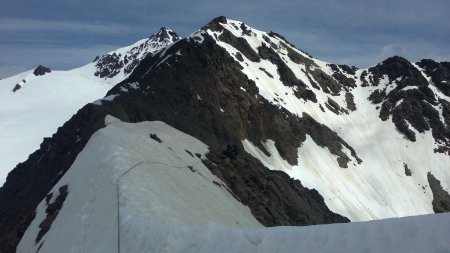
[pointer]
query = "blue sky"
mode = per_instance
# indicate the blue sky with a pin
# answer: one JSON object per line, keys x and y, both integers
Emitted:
{"x": 67, "y": 33}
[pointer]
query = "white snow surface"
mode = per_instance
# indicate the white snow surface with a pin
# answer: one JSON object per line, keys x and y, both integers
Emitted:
{"x": 377, "y": 188}
{"x": 44, "y": 103}
{"x": 124, "y": 182}
{"x": 130, "y": 191}
{"x": 36, "y": 110}
{"x": 428, "y": 233}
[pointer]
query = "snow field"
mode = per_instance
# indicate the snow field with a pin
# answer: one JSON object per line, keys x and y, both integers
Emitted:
{"x": 427, "y": 233}
{"x": 37, "y": 109}
{"x": 123, "y": 178}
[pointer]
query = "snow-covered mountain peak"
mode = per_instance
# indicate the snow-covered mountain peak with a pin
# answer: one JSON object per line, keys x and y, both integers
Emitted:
{"x": 254, "y": 37}
{"x": 165, "y": 34}
{"x": 119, "y": 64}
{"x": 284, "y": 74}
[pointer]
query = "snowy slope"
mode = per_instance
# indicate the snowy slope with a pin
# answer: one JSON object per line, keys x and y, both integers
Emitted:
{"x": 125, "y": 176}
{"x": 43, "y": 103}
{"x": 37, "y": 109}
{"x": 419, "y": 234}
{"x": 166, "y": 200}
{"x": 375, "y": 188}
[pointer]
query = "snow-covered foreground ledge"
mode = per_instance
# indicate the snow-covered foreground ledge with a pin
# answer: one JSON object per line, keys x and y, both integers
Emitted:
{"x": 426, "y": 233}
{"x": 133, "y": 175}
{"x": 143, "y": 188}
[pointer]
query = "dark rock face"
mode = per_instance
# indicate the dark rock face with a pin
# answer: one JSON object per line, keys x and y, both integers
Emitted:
{"x": 128, "y": 69}
{"x": 396, "y": 67}
{"x": 333, "y": 106}
{"x": 350, "y": 102}
{"x": 221, "y": 19}
{"x": 240, "y": 44}
{"x": 428, "y": 65}
{"x": 363, "y": 79}
{"x": 327, "y": 83}
{"x": 109, "y": 65}
{"x": 296, "y": 57}
{"x": 265, "y": 71}
{"x": 349, "y": 70}
{"x": 407, "y": 170}
{"x": 441, "y": 198}
{"x": 245, "y": 30}
{"x": 439, "y": 72}
{"x": 287, "y": 77}
{"x": 411, "y": 101}
{"x": 17, "y": 87}
{"x": 273, "y": 197}
{"x": 338, "y": 74}
{"x": 41, "y": 70}
{"x": 377, "y": 96}
{"x": 345, "y": 81}
{"x": 239, "y": 57}
{"x": 52, "y": 211}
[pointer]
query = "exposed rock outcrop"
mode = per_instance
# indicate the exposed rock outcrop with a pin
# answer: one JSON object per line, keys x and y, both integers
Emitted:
{"x": 441, "y": 198}
{"x": 407, "y": 97}
{"x": 41, "y": 70}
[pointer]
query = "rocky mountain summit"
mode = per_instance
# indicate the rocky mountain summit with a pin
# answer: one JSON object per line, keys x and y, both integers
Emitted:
{"x": 125, "y": 60}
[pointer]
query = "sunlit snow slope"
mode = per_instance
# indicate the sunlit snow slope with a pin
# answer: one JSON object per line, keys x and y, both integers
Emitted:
{"x": 428, "y": 233}
{"x": 37, "y": 109}
{"x": 391, "y": 178}
{"x": 131, "y": 191}
{"x": 125, "y": 185}
{"x": 44, "y": 103}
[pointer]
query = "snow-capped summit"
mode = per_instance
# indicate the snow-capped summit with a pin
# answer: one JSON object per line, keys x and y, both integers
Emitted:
{"x": 118, "y": 64}
{"x": 36, "y": 102}
{"x": 166, "y": 34}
